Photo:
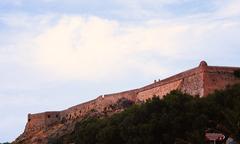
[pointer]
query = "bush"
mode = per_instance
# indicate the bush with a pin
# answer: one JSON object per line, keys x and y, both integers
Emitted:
{"x": 177, "y": 118}
{"x": 237, "y": 73}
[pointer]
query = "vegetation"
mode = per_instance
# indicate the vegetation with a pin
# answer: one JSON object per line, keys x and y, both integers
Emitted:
{"x": 237, "y": 73}
{"x": 177, "y": 118}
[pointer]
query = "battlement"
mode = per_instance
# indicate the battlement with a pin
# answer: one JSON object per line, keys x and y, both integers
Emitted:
{"x": 201, "y": 80}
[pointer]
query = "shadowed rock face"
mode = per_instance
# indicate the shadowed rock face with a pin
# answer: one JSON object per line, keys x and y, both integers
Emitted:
{"x": 201, "y": 81}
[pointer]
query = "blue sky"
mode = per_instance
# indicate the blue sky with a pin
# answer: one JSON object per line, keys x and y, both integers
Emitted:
{"x": 58, "y": 53}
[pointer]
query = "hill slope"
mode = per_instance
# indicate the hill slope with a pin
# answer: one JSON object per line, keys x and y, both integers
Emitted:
{"x": 177, "y": 118}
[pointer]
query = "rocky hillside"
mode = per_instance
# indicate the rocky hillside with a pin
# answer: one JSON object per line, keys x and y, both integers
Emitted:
{"x": 58, "y": 130}
{"x": 177, "y": 118}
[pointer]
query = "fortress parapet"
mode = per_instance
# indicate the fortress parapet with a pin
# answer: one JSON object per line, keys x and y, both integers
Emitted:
{"x": 201, "y": 81}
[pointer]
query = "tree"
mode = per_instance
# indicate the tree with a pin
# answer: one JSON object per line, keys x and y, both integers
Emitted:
{"x": 177, "y": 118}
{"x": 237, "y": 73}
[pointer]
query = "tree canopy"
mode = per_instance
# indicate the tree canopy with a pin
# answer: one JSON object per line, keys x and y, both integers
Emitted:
{"x": 177, "y": 118}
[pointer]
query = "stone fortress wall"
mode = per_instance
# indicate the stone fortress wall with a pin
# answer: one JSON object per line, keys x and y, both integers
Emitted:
{"x": 217, "y": 78}
{"x": 201, "y": 81}
{"x": 42, "y": 120}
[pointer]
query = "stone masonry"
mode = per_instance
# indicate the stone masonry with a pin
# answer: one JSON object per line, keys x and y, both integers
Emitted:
{"x": 202, "y": 80}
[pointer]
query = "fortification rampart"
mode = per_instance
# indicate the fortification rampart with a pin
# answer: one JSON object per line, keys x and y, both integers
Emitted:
{"x": 159, "y": 90}
{"x": 201, "y": 81}
{"x": 217, "y": 78}
{"x": 42, "y": 120}
{"x": 99, "y": 104}
{"x": 189, "y": 81}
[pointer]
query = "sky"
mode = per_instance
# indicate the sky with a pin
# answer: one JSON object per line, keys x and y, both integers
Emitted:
{"x": 58, "y": 53}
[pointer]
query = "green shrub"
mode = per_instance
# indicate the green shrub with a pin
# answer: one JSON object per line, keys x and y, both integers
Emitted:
{"x": 177, "y": 118}
{"x": 237, "y": 73}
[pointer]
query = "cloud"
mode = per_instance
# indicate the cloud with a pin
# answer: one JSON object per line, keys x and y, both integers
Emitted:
{"x": 229, "y": 8}
{"x": 92, "y": 48}
{"x": 13, "y": 2}
{"x": 78, "y": 48}
{"x": 137, "y": 10}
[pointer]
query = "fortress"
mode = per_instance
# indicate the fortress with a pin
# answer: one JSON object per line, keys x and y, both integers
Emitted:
{"x": 201, "y": 81}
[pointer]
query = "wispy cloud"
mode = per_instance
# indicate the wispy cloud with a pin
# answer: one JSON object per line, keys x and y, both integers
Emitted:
{"x": 137, "y": 10}
{"x": 90, "y": 48}
{"x": 44, "y": 47}
{"x": 229, "y": 9}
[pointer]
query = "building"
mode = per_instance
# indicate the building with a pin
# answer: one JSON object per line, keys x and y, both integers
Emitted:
{"x": 200, "y": 81}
